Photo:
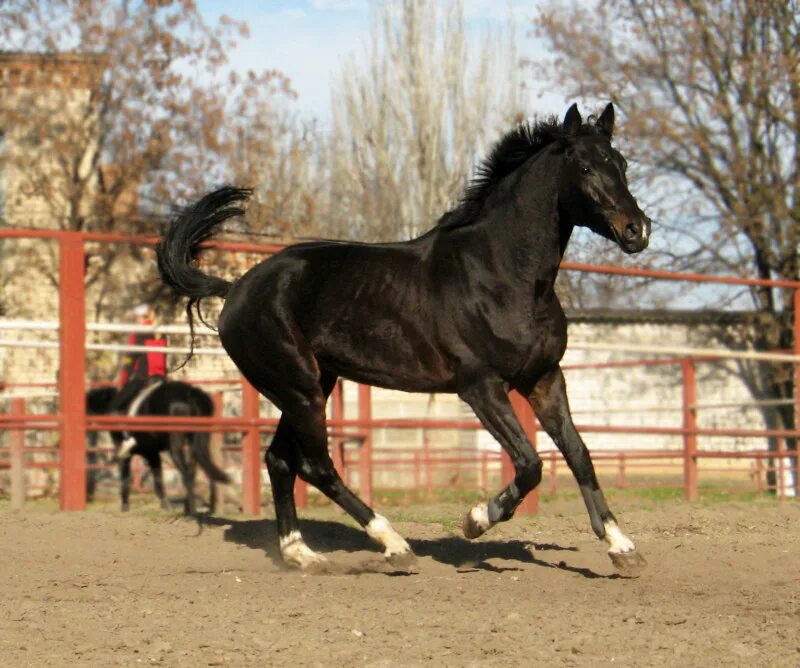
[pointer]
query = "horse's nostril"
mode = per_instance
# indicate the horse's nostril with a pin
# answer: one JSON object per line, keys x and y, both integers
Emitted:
{"x": 632, "y": 231}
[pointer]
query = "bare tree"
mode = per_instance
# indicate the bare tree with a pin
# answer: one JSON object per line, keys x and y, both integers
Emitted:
{"x": 410, "y": 117}
{"x": 143, "y": 118}
{"x": 711, "y": 98}
{"x": 273, "y": 151}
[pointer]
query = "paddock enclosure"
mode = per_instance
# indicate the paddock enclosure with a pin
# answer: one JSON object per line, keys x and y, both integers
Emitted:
{"x": 681, "y": 454}
{"x": 99, "y": 588}
{"x": 654, "y": 412}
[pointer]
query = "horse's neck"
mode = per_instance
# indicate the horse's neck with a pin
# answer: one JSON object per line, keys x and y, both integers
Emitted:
{"x": 522, "y": 224}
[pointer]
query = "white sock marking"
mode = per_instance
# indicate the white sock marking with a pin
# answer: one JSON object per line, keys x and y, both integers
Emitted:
{"x": 480, "y": 515}
{"x": 125, "y": 447}
{"x": 129, "y": 443}
{"x": 619, "y": 543}
{"x": 380, "y": 530}
{"x": 296, "y": 553}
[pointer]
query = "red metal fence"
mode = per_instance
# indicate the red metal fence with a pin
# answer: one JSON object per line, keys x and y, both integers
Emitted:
{"x": 72, "y": 423}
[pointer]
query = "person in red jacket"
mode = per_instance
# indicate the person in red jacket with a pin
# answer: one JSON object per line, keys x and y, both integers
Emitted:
{"x": 140, "y": 370}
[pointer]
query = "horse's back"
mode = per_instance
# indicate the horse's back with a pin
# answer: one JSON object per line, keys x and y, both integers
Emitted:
{"x": 317, "y": 281}
{"x": 363, "y": 310}
{"x": 177, "y": 392}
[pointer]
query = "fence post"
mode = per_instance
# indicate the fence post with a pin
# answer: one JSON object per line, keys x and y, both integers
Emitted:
{"x": 136, "y": 475}
{"x": 72, "y": 371}
{"x": 365, "y": 459}
{"x": 689, "y": 430}
{"x": 426, "y": 452}
{"x": 251, "y": 452}
{"x": 17, "y": 457}
{"x": 759, "y": 476}
{"x": 337, "y": 413}
{"x": 530, "y": 504}
{"x": 797, "y": 392}
{"x": 217, "y": 443}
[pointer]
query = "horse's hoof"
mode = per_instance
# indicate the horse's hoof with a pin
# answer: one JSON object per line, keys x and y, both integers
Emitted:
{"x": 125, "y": 507}
{"x": 405, "y": 562}
{"x": 476, "y": 521}
{"x": 628, "y": 563}
{"x": 296, "y": 554}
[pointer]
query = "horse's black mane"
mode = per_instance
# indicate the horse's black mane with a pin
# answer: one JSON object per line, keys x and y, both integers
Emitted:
{"x": 522, "y": 142}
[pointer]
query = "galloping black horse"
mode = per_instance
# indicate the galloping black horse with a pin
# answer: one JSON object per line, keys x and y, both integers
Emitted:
{"x": 467, "y": 307}
{"x": 186, "y": 448}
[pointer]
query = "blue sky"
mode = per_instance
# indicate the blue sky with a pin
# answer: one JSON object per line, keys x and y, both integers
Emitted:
{"x": 308, "y": 39}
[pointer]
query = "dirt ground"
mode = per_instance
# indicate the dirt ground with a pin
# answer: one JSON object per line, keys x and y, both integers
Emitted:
{"x": 722, "y": 587}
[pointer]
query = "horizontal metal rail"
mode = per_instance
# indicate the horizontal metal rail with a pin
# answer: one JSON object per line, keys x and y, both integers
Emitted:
{"x": 180, "y": 423}
{"x": 112, "y": 347}
{"x": 576, "y": 345}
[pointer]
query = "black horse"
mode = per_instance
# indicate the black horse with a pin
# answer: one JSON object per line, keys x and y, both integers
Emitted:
{"x": 186, "y": 448}
{"x": 467, "y": 307}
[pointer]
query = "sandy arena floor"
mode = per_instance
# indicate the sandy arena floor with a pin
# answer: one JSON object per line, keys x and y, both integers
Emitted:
{"x": 722, "y": 588}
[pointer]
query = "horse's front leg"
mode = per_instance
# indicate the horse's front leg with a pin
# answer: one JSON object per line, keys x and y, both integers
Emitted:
{"x": 549, "y": 401}
{"x": 489, "y": 399}
{"x": 125, "y": 483}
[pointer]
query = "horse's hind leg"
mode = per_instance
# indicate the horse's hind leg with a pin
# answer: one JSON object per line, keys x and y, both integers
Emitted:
{"x": 316, "y": 467}
{"x": 489, "y": 399}
{"x": 125, "y": 483}
{"x": 183, "y": 456}
{"x": 549, "y": 401}
{"x": 184, "y": 462}
{"x": 281, "y": 459}
{"x": 300, "y": 447}
{"x": 154, "y": 462}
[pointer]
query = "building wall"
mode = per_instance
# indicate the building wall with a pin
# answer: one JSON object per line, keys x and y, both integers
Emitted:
{"x": 42, "y": 98}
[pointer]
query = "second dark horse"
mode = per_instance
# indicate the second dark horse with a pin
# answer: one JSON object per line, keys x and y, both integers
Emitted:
{"x": 468, "y": 307}
{"x": 187, "y": 449}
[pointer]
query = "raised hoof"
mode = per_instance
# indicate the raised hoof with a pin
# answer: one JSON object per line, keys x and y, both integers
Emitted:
{"x": 628, "y": 563}
{"x": 405, "y": 562}
{"x": 471, "y": 527}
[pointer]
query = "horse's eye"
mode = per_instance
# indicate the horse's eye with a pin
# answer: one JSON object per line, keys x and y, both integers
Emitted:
{"x": 585, "y": 170}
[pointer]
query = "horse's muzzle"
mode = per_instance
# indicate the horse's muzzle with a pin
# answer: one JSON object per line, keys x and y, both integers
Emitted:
{"x": 635, "y": 235}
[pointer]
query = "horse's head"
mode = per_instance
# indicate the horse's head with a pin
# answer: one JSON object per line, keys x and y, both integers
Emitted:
{"x": 594, "y": 190}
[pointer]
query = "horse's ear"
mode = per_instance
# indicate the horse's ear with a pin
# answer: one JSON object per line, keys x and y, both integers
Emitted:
{"x": 606, "y": 121}
{"x": 573, "y": 120}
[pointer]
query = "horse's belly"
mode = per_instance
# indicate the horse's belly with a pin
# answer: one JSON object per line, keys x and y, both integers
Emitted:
{"x": 386, "y": 354}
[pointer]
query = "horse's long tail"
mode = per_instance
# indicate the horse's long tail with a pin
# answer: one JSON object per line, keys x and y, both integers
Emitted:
{"x": 177, "y": 252}
{"x": 201, "y": 447}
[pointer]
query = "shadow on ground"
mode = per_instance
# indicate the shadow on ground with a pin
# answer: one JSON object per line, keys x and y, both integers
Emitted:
{"x": 464, "y": 555}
